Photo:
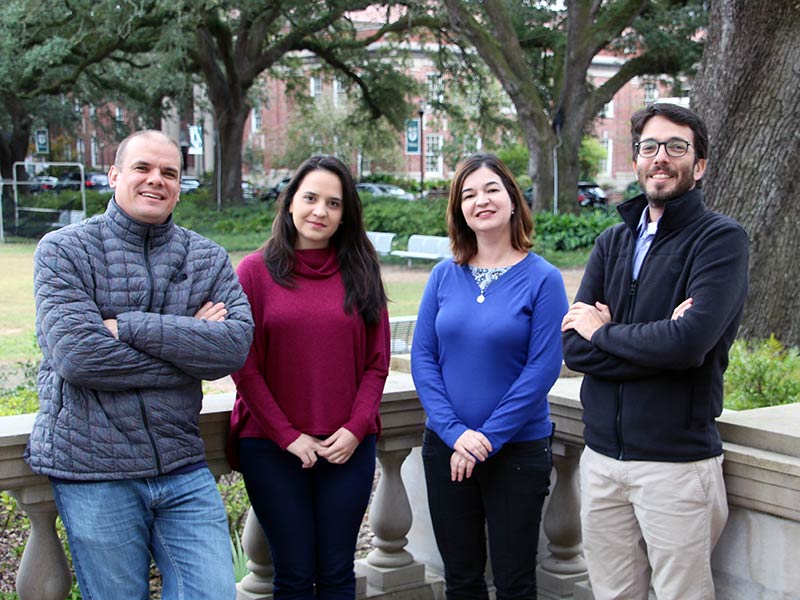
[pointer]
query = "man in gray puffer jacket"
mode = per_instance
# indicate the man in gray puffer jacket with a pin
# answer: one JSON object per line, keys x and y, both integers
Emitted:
{"x": 132, "y": 312}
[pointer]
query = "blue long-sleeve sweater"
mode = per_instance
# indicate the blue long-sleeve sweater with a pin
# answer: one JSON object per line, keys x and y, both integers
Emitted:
{"x": 489, "y": 366}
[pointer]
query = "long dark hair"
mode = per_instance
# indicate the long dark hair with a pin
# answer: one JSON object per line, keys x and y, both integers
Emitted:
{"x": 462, "y": 238}
{"x": 358, "y": 261}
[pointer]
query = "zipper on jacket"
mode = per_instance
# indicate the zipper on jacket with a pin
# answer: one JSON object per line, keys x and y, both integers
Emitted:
{"x": 142, "y": 407}
{"x": 149, "y": 267}
{"x": 146, "y": 423}
{"x": 631, "y": 302}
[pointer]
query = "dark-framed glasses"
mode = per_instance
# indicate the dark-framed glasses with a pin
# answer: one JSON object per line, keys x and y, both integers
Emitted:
{"x": 675, "y": 147}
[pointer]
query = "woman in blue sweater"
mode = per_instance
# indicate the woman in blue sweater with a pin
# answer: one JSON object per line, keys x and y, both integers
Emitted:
{"x": 487, "y": 349}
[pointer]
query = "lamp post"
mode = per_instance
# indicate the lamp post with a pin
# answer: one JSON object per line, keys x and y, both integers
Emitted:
{"x": 421, "y": 150}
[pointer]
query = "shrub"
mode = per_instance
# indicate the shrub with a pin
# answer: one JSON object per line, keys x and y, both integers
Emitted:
{"x": 568, "y": 231}
{"x": 762, "y": 373}
{"x": 426, "y": 217}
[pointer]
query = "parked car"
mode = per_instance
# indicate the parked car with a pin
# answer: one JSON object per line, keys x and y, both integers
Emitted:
{"x": 189, "y": 184}
{"x": 396, "y": 192}
{"x": 94, "y": 181}
{"x": 43, "y": 183}
{"x": 97, "y": 182}
{"x": 384, "y": 189}
{"x": 590, "y": 195}
{"x": 273, "y": 191}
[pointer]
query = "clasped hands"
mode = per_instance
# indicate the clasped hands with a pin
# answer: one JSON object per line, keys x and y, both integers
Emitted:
{"x": 210, "y": 311}
{"x": 337, "y": 448}
{"x": 470, "y": 447}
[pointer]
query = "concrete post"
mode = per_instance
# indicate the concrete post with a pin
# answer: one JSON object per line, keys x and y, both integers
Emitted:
{"x": 43, "y": 571}
{"x": 389, "y": 565}
{"x": 559, "y": 571}
{"x": 257, "y": 584}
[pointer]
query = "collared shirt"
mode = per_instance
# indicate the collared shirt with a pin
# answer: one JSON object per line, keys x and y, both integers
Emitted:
{"x": 645, "y": 233}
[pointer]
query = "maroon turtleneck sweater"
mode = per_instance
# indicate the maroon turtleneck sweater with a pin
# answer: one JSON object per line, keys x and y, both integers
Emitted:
{"x": 312, "y": 368}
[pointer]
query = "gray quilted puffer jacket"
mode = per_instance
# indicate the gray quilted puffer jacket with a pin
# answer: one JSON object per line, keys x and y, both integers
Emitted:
{"x": 129, "y": 408}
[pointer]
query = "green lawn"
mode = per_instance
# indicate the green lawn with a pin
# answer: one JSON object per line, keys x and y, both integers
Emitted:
{"x": 17, "y": 312}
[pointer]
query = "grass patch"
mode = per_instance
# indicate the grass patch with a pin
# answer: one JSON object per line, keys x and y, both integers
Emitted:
{"x": 17, "y": 311}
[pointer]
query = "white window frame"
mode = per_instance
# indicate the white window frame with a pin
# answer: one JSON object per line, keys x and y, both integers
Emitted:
{"x": 434, "y": 161}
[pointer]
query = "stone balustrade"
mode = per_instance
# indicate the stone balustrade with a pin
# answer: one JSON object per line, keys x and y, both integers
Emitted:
{"x": 756, "y": 557}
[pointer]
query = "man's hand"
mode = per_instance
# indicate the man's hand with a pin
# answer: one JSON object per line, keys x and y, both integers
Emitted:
{"x": 681, "y": 309}
{"x": 585, "y": 319}
{"x": 473, "y": 445}
{"x": 211, "y": 311}
{"x": 460, "y": 468}
{"x": 111, "y": 324}
{"x": 338, "y": 447}
{"x": 305, "y": 448}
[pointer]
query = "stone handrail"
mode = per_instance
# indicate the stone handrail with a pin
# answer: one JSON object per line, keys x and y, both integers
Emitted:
{"x": 762, "y": 469}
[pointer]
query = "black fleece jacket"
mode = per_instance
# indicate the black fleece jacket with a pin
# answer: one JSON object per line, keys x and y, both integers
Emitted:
{"x": 653, "y": 386}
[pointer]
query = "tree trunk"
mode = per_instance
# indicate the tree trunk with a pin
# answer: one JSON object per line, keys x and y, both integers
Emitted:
{"x": 230, "y": 124}
{"x": 15, "y": 147}
{"x": 746, "y": 91}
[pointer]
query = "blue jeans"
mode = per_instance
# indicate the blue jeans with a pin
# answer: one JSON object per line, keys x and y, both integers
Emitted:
{"x": 505, "y": 494}
{"x": 311, "y": 517}
{"x": 114, "y": 527}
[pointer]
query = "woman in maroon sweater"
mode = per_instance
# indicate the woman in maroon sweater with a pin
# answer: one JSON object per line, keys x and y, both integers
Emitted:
{"x": 305, "y": 420}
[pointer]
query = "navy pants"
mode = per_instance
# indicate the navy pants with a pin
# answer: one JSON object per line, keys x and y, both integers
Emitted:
{"x": 504, "y": 495}
{"x": 311, "y": 517}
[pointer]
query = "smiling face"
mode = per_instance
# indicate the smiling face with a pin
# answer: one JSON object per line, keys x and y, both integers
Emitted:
{"x": 316, "y": 209}
{"x": 485, "y": 202}
{"x": 146, "y": 183}
{"x": 663, "y": 177}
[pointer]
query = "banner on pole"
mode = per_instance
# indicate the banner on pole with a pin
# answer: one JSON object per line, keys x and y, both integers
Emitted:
{"x": 195, "y": 139}
{"x": 412, "y": 136}
{"x": 42, "y": 141}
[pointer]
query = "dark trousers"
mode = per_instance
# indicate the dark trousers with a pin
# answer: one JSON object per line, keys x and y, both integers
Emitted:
{"x": 311, "y": 517}
{"x": 505, "y": 494}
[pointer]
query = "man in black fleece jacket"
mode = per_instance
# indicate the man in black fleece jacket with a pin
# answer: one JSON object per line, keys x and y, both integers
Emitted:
{"x": 651, "y": 326}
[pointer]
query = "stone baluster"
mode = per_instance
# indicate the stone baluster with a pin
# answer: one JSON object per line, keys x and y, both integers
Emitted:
{"x": 257, "y": 583}
{"x": 43, "y": 571}
{"x": 389, "y": 564}
{"x": 559, "y": 571}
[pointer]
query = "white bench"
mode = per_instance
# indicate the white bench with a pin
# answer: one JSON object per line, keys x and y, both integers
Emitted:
{"x": 68, "y": 217}
{"x": 430, "y": 247}
{"x": 381, "y": 240}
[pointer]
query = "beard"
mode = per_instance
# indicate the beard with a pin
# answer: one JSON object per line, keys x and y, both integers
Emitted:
{"x": 658, "y": 193}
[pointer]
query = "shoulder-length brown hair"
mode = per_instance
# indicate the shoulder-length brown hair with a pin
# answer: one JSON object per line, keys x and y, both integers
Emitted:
{"x": 358, "y": 261}
{"x": 462, "y": 238}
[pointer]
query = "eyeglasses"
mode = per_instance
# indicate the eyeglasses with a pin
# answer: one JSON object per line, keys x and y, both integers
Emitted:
{"x": 675, "y": 148}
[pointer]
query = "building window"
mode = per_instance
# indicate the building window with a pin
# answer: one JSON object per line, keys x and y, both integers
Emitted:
{"x": 435, "y": 88}
{"x": 650, "y": 92}
{"x": 255, "y": 119}
{"x": 607, "y": 162}
{"x": 119, "y": 115}
{"x": 608, "y": 110}
{"x": 81, "y": 148}
{"x": 339, "y": 93}
{"x": 315, "y": 87}
{"x": 433, "y": 154}
{"x": 95, "y": 154}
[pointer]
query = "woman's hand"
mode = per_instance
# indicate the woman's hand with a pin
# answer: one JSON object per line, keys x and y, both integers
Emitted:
{"x": 338, "y": 447}
{"x": 473, "y": 445}
{"x": 460, "y": 467}
{"x": 305, "y": 448}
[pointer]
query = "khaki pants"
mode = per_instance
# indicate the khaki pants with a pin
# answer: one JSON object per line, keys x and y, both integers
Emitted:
{"x": 651, "y": 522}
